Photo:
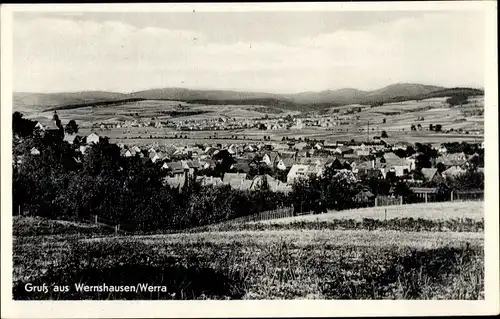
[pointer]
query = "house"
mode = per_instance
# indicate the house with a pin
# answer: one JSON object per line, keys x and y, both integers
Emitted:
{"x": 455, "y": 159}
{"x": 424, "y": 193}
{"x": 431, "y": 175}
{"x": 47, "y": 126}
{"x": 337, "y": 163}
{"x": 271, "y": 158}
{"x": 235, "y": 180}
{"x": 125, "y": 153}
{"x": 191, "y": 166}
{"x": 176, "y": 181}
{"x": 70, "y": 138}
{"x": 39, "y": 126}
{"x": 232, "y": 149}
{"x": 285, "y": 163}
{"x": 156, "y": 156}
{"x": 300, "y": 146}
{"x": 274, "y": 184}
{"x": 34, "y": 151}
{"x": 207, "y": 163}
{"x": 175, "y": 168}
{"x": 137, "y": 150}
{"x": 400, "y": 166}
{"x": 369, "y": 174}
{"x": 92, "y": 138}
{"x": 83, "y": 149}
{"x": 249, "y": 148}
{"x": 298, "y": 171}
{"x": 209, "y": 180}
{"x": 362, "y": 152}
{"x": 401, "y": 145}
{"x": 343, "y": 150}
{"x": 364, "y": 197}
{"x": 362, "y": 165}
{"x": 281, "y": 147}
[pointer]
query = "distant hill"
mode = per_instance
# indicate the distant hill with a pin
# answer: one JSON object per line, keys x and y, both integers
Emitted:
{"x": 342, "y": 96}
{"x": 303, "y": 101}
{"x": 43, "y": 101}
{"x": 403, "y": 90}
{"x": 182, "y": 94}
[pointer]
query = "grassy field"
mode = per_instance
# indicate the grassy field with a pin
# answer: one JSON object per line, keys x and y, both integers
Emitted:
{"x": 268, "y": 264}
{"x": 431, "y": 211}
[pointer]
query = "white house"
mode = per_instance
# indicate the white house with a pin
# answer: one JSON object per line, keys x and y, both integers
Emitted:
{"x": 92, "y": 138}
{"x": 298, "y": 171}
{"x": 83, "y": 149}
{"x": 70, "y": 138}
{"x": 34, "y": 151}
{"x": 40, "y": 126}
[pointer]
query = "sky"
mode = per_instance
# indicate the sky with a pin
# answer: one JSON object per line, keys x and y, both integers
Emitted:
{"x": 278, "y": 52}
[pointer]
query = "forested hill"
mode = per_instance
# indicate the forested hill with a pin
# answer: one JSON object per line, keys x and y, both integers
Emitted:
{"x": 303, "y": 101}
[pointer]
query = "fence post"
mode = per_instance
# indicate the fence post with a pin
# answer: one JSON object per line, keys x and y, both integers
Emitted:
{"x": 426, "y": 197}
{"x": 451, "y": 196}
{"x": 385, "y": 214}
{"x": 400, "y": 200}
{"x": 376, "y": 201}
{"x": 19, "y": 210}
{"x": 96, "y": 219}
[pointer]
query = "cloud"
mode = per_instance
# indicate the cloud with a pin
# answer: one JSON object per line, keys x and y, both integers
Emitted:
{"x": 52, "y": 54}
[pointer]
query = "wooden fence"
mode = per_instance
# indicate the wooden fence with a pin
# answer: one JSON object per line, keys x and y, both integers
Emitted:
{"x": 467, "y": 195}
{"x": 107, "y": 223}
{"x": 388, "y": 201}
{"x": 270, "y": 214}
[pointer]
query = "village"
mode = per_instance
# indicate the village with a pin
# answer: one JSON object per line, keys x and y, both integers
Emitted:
{"x": 283, "y": 163}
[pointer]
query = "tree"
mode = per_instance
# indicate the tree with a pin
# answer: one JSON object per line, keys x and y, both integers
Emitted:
{"x": 431, "y": 127}
{"x": 262, "y": 126}
{"x": 459, "y": 99}
{"x": 470, "y": 180}
{"x": 383, "y": 120}
{"x": 413, "y": 127}
{"x": 400, "y": 153}
{"x": 383, "y": 134}
{"x": 22, "y": 127}
{"x": 440, "y": 167}
{"x": 438, "y": 128}
{"x": 409, "y": 150}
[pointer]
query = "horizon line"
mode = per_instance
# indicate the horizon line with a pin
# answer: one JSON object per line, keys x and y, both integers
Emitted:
{"x": 248, "y": 91}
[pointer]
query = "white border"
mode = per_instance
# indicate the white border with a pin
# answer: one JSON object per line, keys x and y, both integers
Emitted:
{"x": 310, "y": 308}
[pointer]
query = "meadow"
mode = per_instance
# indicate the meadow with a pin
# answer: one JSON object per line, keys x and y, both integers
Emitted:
{"x": 296, "y": 263}
{"x": 429, "y": 211}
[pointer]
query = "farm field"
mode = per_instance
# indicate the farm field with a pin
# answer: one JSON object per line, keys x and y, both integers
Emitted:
{"x": 153, "y": 108}
{"x": 270, "y": 264}
{"x": 399, "y": 118}
{"x": 164, "y": 136}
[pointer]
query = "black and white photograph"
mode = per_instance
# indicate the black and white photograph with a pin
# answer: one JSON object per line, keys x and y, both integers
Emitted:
{"x": 200, "y": 154}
